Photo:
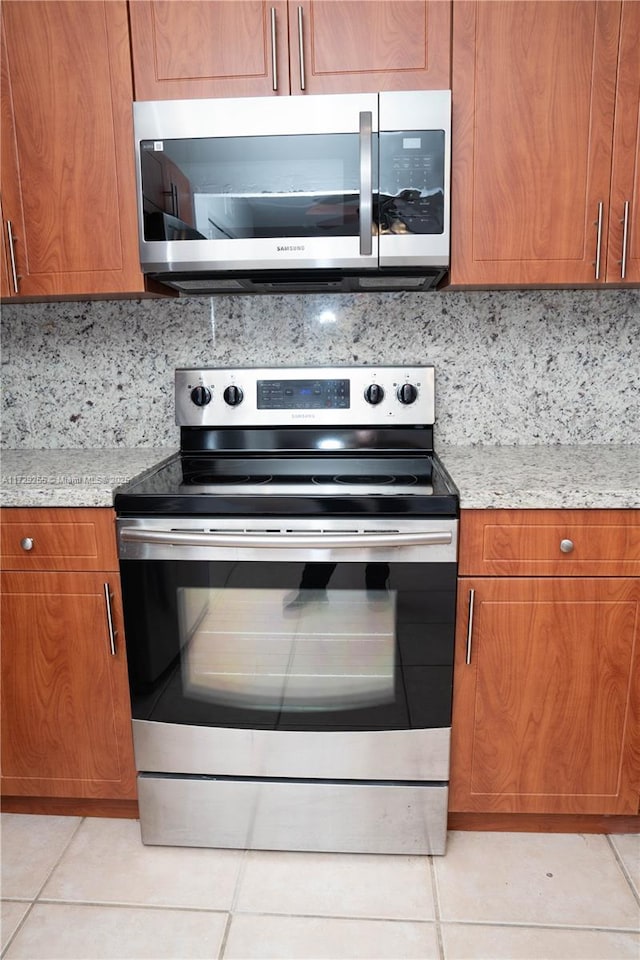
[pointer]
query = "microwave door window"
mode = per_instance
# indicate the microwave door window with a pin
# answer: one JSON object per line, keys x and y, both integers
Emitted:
{"x": 251, "y": 187}
{"x": 412, "y": 182}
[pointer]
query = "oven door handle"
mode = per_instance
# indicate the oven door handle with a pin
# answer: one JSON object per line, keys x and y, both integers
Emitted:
{"x": 179, "y": 538}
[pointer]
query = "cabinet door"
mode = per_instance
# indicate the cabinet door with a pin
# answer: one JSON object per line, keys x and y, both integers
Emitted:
{"x": 66, "y": 719}
{"x": 369, "y": 45}
{"x": 209, "y": 48}
{"x": 545, "y": 714}
{"x": 533, "y": 106}
{"x": 68, "y": 174}
{"x": 624, "y": 223}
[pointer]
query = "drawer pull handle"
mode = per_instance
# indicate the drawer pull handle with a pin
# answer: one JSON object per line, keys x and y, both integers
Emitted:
{"x": 26, "y": 543}
{"x": 566, "y": 546}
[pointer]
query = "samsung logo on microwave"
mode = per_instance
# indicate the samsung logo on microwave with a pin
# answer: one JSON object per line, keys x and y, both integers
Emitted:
{"x": 291, "y": 248}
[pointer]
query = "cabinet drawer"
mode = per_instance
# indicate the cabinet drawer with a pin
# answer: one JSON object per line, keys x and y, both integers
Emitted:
{"x": 58, "y": 539}
{"x": 550, "y": 542}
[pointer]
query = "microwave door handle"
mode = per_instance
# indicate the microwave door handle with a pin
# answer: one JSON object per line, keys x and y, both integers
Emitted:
{"x": 366, "y": 183}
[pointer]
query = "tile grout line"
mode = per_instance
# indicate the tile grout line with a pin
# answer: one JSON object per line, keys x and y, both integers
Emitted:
{"x": 36, "y": 898}
{"x": 625, "y": 872}
{"x": 436, "y": 907}
{"x": 234, "y": 903}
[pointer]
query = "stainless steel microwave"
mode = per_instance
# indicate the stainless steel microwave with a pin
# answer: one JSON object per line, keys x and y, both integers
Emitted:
{"x": 336, "y": 192}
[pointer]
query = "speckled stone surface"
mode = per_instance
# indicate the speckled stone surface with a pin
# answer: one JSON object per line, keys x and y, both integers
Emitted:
{"x": 512, "y": 367}
{"x": 70, "y": 478}
{"x": 537, "y": 477}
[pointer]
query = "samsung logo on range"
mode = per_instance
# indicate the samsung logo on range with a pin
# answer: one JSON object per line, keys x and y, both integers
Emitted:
{"x": 290, "y": 248}
{"x": 303, "y": 416}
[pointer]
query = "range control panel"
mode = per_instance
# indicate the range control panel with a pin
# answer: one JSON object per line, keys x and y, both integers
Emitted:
{"x": 305, "y": 396}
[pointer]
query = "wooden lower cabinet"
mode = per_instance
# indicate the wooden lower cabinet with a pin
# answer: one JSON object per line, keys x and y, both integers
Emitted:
{"x": 66, "y": 716}
{"x": 546, "y": 696}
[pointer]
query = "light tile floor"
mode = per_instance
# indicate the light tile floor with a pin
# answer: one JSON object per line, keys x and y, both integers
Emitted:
{"x": 88, "y": 888}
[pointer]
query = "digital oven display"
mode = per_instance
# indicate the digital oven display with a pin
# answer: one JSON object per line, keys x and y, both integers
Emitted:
{"x": 303, "y": 394}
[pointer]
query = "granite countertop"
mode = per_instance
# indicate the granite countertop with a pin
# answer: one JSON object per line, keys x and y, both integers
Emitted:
{"x": 535, "y": 477}
{"x": 604, "y": 476}
{"x": 71, "y": 478}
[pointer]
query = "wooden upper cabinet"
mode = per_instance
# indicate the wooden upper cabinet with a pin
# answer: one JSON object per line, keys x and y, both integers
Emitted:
{"x": 367, "y": 45}
{"x": 68, "y": 182}
{"x": 208, "y": 48}
{"x": 240, "y": 48}
{"x": 534, "y": 102}
{"x": 624, "y": 209}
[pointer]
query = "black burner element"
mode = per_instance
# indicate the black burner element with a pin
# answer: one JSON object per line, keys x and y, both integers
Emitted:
{"x": 212, "y": 479}
{"x": 371, "y": 479}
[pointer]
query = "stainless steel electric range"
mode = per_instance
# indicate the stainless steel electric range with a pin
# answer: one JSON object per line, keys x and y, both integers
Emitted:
{"x": 289, "y": 586}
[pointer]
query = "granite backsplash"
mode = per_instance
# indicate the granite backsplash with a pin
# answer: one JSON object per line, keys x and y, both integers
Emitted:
{"x": 512, "y": 367}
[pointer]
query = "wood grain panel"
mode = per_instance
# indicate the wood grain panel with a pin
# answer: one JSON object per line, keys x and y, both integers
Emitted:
{"x": 363, "y": 46}
{"x": 546, "y": 714}
{"x": 625, "y": 182}
{"x": 525, "y": 542}
{"x": 533, "y": 107}
{"x": 65, "y": 705}
{"x": 63, "y": 538}
{"x": 67, "y": 113}
{"x": 544, "y": 822}
{"x": 207, "y": 49}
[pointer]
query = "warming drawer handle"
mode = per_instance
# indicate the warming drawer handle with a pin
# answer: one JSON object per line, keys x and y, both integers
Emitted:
{"x": 289, "y": 540}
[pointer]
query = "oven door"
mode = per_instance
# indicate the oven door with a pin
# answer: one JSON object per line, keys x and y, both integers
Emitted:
{"x": 248, "y": 630}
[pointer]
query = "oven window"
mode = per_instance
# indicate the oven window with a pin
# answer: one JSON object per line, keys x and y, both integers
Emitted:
{"x": 307, "y": 649}
{"x": 292, "y": 646}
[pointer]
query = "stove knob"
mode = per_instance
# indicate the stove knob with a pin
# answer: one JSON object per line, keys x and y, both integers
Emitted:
{"x": 233, "y": 396}
{"x": 407, "y": 393}
{"x": 201, "y": 396}
{"x": 374, "y": 394}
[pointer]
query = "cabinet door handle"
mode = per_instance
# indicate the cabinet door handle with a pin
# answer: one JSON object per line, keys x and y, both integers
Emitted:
{"x": 625, "y": 237}
{"x": 472, "y": 600}
{"x": 301, "y": 48}
{"x": 598, "y": 222}
{"x": 12, "y": 255}
{"x": 566, "y": 546}
{"x": 27, "y": 543}
{"x": 274, "y": 57}
{"x": 108, "y": 597}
